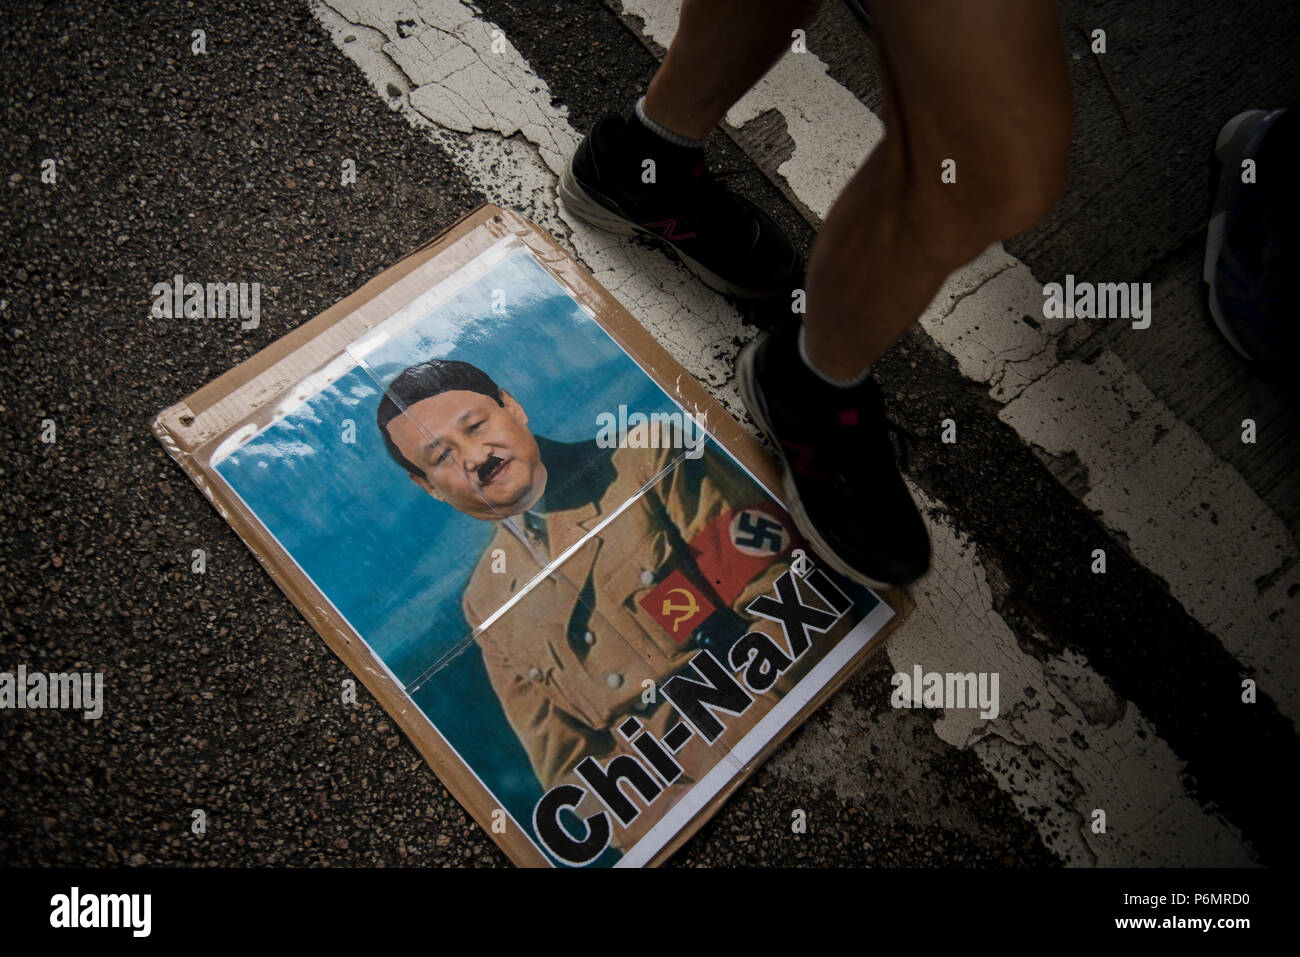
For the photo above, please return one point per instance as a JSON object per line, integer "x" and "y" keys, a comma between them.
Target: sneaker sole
{"x": 758, "y": 409}
{"x": 579, "y": 202}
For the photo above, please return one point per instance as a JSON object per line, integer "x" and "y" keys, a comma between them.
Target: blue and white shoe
{"x": 1253, "y": 241}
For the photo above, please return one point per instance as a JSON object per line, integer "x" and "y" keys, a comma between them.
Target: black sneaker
{"x": 841, "y": 482}
{"x": 724, "y": 239}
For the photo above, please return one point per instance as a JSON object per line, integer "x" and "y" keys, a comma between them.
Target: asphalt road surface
{"x": 1121, "y": 692}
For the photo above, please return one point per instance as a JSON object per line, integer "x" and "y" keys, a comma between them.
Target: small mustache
{"x": 487, "y": 468}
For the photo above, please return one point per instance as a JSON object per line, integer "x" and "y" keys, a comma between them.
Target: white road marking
{"x": 493, "y": 115}
{"x": 1231, "y": 565}
{"x": 1141, "y": 491}
{"x": 1184, "y": 513}
{"x": 473, "y": 102}
{"x": 1030, "y": 749}
{"x": 1123, "y": 767}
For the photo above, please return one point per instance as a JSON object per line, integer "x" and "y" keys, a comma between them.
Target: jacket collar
{"x": 578, "y": 474}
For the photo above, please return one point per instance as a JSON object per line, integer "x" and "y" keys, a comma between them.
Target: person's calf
{"x": 998, "y": 194}
{"x": 898, "y": 229}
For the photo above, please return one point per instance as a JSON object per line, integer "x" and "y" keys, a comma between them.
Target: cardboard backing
{"x": 245, "y": 396}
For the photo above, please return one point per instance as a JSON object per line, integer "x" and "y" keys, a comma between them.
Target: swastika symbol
{"x": 757, "y": 534}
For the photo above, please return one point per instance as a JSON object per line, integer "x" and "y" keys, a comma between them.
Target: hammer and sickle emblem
{"x": 686, "y": 610}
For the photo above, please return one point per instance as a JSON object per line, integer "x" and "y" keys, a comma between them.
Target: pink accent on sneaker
{"x": 803, "y": 463}
{"x": 667, "y": 228}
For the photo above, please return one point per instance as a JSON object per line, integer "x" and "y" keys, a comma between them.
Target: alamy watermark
{"x": 1103, "y": 300}
{"x": 75, "y": 909}
{"x": 655, "y": 430}
{"x": 933, "y": 689}
{"x": 179, "y": 299}
{"x": 21, "y": 690}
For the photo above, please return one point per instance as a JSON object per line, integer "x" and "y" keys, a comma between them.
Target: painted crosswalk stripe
{"x": 1147, "y": 492}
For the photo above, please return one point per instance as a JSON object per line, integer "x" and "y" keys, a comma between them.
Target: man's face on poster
{"x": 478, "y": 457}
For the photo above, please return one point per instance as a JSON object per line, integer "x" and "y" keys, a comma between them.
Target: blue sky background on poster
{"x": 392, "y": 559}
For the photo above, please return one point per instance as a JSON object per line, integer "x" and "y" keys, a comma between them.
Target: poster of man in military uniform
{"x": 647, "y": 556}
{"x": 602, "y": 613}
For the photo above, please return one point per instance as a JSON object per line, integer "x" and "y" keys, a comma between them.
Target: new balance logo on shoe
{"x": 803, "y": 461}
{"x": 667, "y": 229}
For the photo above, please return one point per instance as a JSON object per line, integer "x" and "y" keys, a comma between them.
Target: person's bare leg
{"x": 720, "y": 50}
{"x": 647, "y": 174}
{"x": 982, "y": 82}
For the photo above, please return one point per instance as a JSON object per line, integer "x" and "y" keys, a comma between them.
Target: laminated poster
{"x": 555, "y": 560}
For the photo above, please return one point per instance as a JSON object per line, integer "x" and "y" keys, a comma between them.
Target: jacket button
{"x": 614, "y": 680}
{"x": 647, "y": 576}
{"x": 589, "y": 638}
{"x": 534, "y": 674}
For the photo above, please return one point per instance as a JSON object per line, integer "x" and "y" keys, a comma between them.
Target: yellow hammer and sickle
{"x": 687, "y": 610}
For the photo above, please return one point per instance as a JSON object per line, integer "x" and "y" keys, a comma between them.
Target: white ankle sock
{"x": 662, "y": 131}
{"x": 858, "y": 379}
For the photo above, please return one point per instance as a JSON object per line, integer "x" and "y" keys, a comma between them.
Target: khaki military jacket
{"x": 572, "y": 657}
